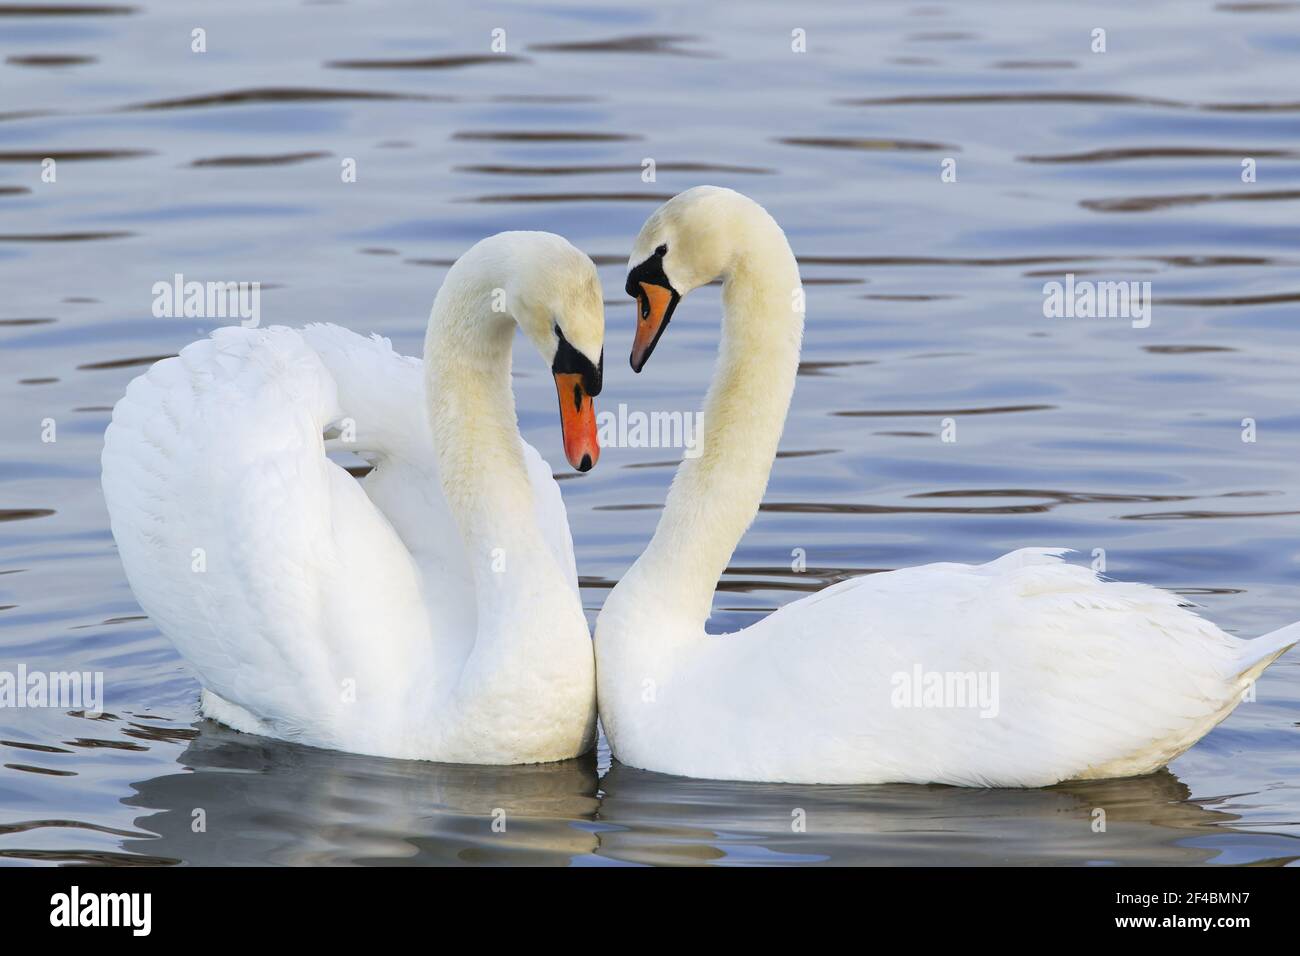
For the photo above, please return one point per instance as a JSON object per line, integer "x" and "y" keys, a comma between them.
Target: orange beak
{"x": 578, "y": 420}
{"x": 655, "y": 304}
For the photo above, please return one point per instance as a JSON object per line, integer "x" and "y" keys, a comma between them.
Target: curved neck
{"x": 467, "y": 359}
{"x": 715, "y": 496}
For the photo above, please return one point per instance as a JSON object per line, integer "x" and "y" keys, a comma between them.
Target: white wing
{"x": 283, "y": 581}
{"x": 1045, "y": 673}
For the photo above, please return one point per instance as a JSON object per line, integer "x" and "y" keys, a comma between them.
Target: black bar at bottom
{"x": 330, "y": 905}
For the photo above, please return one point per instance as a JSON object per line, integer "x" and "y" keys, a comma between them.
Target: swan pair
{"x": 431, "y": 611}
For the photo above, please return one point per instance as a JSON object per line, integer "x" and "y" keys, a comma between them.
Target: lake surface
{"x": 925, "y": 302}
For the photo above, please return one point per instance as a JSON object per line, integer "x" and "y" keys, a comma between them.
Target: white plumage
{"x": 1025, "y": 671}
{"x": 345, "y": 614}
{"x": 1088, "y": 679}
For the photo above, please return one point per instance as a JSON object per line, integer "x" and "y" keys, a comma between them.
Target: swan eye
{"x": 662, "y": 251}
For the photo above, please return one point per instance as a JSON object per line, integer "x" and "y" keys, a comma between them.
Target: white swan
{"x": 871, "y": 680}
{"x": 431, "y": 610}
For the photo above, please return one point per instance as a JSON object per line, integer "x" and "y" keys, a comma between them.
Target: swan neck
{"x": 715, "y": 496}
{"x": 476, "y": 431}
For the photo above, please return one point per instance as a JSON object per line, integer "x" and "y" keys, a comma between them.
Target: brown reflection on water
{"x": 1269, "y": 298}
{"x": 502, "y": 169}
{"x": 273, "y": 94}
{"x": 428, "y": 62}
{"x": 70, "y": 155}
{"x": 666, "y": 44}
{"x": 1201, "y": 515}
{"x": 133, "y": 362}
{"x": 541, "y": 136}
{"x": 1148, "y": 203}
{"x": 940, "y": 412}
{"x": 870, "y": 145}
{"x": 24, "y": 514}
{"x": 1127, "y": 153}
{"x": 65, "y": 236}
{"x": 273, "y": 159}
{"x": 512, "y": 198}
{"x": 50, "y": 60}
{"x": 1185, "y": 349}
{"x": 809, "y": 367}
{"x": 1082, "y": 98}
{"x": 65, "y": 10}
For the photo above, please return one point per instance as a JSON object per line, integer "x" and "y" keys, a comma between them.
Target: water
{"x": 924, "y": 302}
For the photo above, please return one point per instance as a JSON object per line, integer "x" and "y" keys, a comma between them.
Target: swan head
{"x": 553, "y": 293}
{"x": 689, "y": 241}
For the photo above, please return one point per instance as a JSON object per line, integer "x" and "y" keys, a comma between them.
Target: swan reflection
{"x": 661, "y": 819}
{"x": 265, "y": 801}
{"x": 261, "y": 801}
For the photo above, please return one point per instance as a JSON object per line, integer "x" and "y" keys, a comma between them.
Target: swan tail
{"x": 1263, "y": 651}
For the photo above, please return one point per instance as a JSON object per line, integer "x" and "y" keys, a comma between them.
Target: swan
{"x": 882, "y": 678}
{"x": 430, "y": 611}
